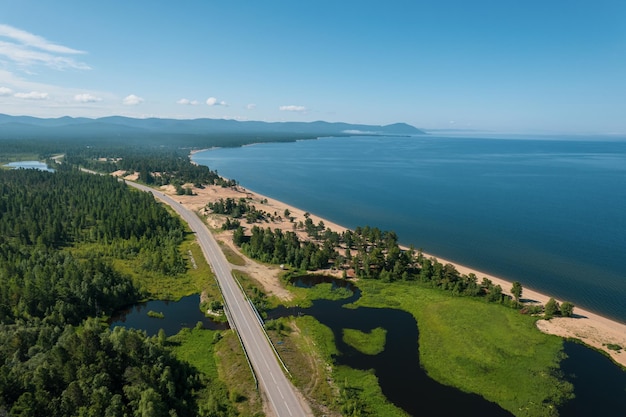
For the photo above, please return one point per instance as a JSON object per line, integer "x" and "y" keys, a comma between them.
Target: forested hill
{"x": 32, "y": 127}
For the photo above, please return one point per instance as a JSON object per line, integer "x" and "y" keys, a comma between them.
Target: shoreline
{"x": 590, "y": 328}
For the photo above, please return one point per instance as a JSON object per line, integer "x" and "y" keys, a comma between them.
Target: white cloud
{"x": 301, "y": 109}
{"x": 33, "y": 95}
{"x": 35, "y": 41}
{"x": 251, "y": 106}
{"x": 27, "y": 49}
{"x": 4, "y": 91}
{"x": 187, "y": 102}
{"x": 132, "y": 100}
{"x": 86, "y": 98}
{"x": 212, "y": 101}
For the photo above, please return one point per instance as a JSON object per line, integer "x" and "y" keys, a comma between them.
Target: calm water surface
{"x": 549, "y": 213}
{"x": 184, "y": 313}
{"x": 30, "y": 165}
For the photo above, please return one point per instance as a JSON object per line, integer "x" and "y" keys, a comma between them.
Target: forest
{"x": 61, "y": 235}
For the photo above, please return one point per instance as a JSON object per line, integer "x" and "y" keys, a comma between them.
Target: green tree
{"x": 551, "y": 308}
{"x": 567, "y": 309}
{"x": 516, "y": 290}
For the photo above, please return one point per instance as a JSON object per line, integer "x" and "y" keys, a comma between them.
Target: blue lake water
{"x": 30, "y": 165}
{"x": 549, "y": 213}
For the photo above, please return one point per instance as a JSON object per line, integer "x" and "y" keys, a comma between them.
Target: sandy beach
{"x": 590, "y": 328}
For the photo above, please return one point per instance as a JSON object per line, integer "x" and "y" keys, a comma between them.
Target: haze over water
{"x": 549, "y": 213}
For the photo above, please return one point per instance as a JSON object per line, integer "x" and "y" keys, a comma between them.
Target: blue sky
{"x": 502, "y": 65}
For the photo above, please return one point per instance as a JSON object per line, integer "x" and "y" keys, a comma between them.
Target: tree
{"x": 567, "y": 309}
{"x": 550, "y": 309}
{"x": 516, "y": 290}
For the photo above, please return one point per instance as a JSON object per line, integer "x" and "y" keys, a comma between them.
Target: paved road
{"x": 272, "y": 380}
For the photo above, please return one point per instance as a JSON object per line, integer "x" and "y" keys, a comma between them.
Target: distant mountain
{"x": 27, "y": 126}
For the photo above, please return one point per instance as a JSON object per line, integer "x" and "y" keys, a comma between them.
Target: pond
{"x": 176, "y": 316}
{"x": 599, "y": 385}
{"x": 30, "y": 165}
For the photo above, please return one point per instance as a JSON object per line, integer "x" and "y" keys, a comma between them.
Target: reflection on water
{"x": 599, "y": 385}
{"x": 30, "y": 165}
{"x": 177, "y": 315}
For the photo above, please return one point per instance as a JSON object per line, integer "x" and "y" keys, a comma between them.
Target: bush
{"x": 551, "y": 308}
{"x": 567, "y": 309}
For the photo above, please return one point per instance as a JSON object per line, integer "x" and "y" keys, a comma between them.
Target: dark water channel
{"x": 177, "y": 315}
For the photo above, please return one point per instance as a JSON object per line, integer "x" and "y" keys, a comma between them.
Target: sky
{"x": 499, "y": 65}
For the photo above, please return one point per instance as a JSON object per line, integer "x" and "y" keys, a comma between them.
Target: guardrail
{"x": 256, "y": 312}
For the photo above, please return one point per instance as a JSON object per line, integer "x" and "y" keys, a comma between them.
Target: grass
{"x": 360, "y": 390}
{"x": 309, "y": 366}
{"x": 156, "y": 314}
{"x": 304, "y": 297}
{"x": 231, "y": 256}
{"x": 371, "y": 343}
{"x": 198, "y": 347}
{"x": 234, "y": 370}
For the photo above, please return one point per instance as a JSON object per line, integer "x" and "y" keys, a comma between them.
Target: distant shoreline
{"x": 591, "y": 328}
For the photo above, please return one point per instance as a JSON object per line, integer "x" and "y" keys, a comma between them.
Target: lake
{"x": 550, "y": 213}
{"x": 30, "y": 165}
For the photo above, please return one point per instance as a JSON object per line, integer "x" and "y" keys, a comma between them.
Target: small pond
{"x": 599, "y": 385}
{"x": 30, "y": 165}
{"x": 177, "y": 315}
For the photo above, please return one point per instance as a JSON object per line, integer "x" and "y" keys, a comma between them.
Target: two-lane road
{"x": 272, "y": 381}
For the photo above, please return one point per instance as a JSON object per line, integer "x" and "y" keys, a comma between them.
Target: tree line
{"x": 371, "y": 253}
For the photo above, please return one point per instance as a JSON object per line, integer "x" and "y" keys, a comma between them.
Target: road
{"x": 271, "y": 378}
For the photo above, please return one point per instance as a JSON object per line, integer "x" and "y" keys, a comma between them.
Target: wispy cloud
{"x": 132, "y": 100}
{"x": 300, "y": 109}
{"x": 251, "y": 106}
{"x": 27, "y": 49}
{"x": 212, "y": 101}
{"x": 33, "y": 95}
{"x": 5, "y": 91}
{"x": 187, "y": 102}
{"x": 86, "y": 98}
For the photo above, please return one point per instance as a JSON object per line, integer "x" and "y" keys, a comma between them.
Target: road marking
{"x": 288, "y": 409}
